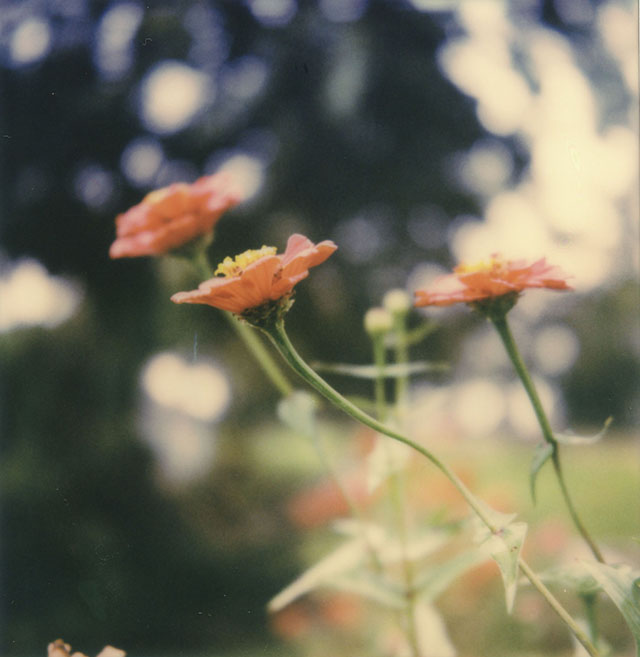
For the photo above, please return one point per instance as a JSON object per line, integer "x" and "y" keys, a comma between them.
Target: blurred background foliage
{"x": 144, "y": 496}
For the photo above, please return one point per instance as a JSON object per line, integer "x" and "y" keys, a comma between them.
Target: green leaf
{"x": 372, "y": 587}
{"x": 341, "y": 567}
{"x": 571, "y": 439}
{"x": 433, "y": 638}
{"x": 298, "y": 412}
{"x": 389, "y": 548}
{"x": 437, "y": 579}
{"x": 372, "y": 372}
{"x": 342, "y": 560}
{"x": 622, "y": 585}
{"x": 571, "y": 577}
{"x": 542, "y": 454}
{"x": 504, "y": 547}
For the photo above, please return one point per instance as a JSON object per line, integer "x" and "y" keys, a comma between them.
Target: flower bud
{"x": 397, "y": 302}
{"x": 377, "y": 321}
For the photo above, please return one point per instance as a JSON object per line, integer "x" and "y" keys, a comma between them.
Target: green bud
{"x": 377, "y": 321}
{"x": 397, "y": 302}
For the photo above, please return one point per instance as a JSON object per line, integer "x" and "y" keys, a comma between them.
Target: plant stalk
{"x": 397, "y": 496}
{"x": 281, "y": 341}
{"x": 521, "y": 369}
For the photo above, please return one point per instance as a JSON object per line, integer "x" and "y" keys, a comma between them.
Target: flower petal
{"x": 236, "y": 293}
{"x": 491, "y": 279}
{"x": 172, "y": 216}
{"x": 301, "y": 254}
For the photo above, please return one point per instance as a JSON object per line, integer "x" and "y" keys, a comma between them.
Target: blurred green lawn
{"x": 603, "y": 479}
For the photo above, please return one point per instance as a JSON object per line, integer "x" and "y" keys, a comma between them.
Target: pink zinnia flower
{"x": 169, "y": 217}
{"x": 258, "y": 276}
{"x": 489, "y": 280}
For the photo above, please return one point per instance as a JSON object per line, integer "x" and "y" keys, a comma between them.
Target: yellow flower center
{"x": 495, "y": 264}
{"x": 157, "y": 195}
{"x": 235, "y": 266}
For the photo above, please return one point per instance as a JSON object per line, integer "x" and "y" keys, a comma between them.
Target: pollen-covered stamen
{"x": 235, "y": 266}
{"x": 495, "y": 265}
{"x": 157, "y": 195}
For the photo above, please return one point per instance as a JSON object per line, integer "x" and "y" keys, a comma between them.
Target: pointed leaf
{"x": 373, "y": 372}
{"x": 504, "y": 547}
{"x": 342, "y": 560}
{"x": 415, "y": 548}
{"x": 571, "y": 439}
{"x": 369, "y": 586}
{"x": 389, "y": 548}
{"x": 433, "y": 638}
{"x": 622, "y": 585}
{"x": 298, "y": 412}
{"x": 543, "y": 453}
{"x": 571, "y": 577}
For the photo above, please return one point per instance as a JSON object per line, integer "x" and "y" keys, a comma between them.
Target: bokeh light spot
{"x": 94, "y": 185}
{"x": 247, "y": 171}
{"x": 141, "y": 160}
{"x": 555, "y": 349}
{"x": 200, "y": 390}
{"x": 113, "y": 55}
{"x": 30, "y": 296}
{"x": 31, "y": 41}
{"x": 479, "y": 407}
{"x": 273, "y": 13}
{"x": 245, "y": 77}
{"x": 172, "y": 95}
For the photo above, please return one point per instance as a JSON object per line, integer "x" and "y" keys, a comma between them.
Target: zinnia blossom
{"x": 258, "y": 276}
{"x": 169, "y": 217}
{"x": 491, "y": 280}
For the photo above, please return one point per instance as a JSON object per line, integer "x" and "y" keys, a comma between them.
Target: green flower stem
{"x": 245, "y": 332}
{"x": 397, "y": 496}
{"x": 380, "y": 362}
{"x": 401, "y": 358}
{"x": 281, "y": 341}
{"x": 514, "y": 354}
{"x": 558, "y": 608}
{"x": 261, "y": 354}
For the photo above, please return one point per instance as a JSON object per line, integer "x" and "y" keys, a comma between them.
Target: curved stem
{"x": 260, "y": 353}
{"x": 278, "y": 336}
{"x": 518, "y": 363}
{"x": 281, "y": 341}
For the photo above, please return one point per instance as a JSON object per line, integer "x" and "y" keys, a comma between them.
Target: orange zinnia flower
{"x": 258, "y": 276}
{"x": 489, "y": 280}
{"x": 172, "y": 216}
